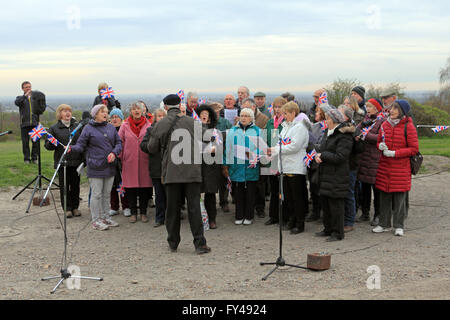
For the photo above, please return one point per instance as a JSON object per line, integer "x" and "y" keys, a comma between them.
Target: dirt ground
{"x": 135, "y": 262}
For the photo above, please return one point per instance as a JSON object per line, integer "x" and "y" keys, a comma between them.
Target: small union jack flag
{"x": 195, "y": 115}
{"x": 37, "y": 133}
{"x": 121, "y": 189}
{"x": 181, "y": 94}
{"x": 323, "y": 98}
{"x": 323, "y": 125}
{"x": 52, "y": 140}
{"x": 107, "y": 93}
{"x": 439, "y": 129}
{"x": 270, "y": 108}
{"x": 201, "y": 101}
{"x": 309, "y": 158}
{"x": 286, "y": 141}
{"x": 254, "y": 161}
{"x": 381, "y": 116}
{"x": 229, "y": 184}
{"x": 383, "y": 136}
{"x": 217, "y": 136}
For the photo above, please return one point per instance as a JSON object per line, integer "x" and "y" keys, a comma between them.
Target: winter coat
{"x": 357, "y": 148}
{"x": 239, "y": 139}
{"x": 293, "y": 153}
{"x": 334, "y": 170}
{"x": 394, "y": 174}
{"x": 260, "y": 119}
{"x": 112, "y": 103}
{"x": 359, "y": 116}
{"x": 135, "y": 172}
{"x": 154, "y": 160}
{"x": 30, "y": 108}
{"x": 62, "y": 134}
{"x": 265, "y": 111}
{"x": 188, "y": 171}
{"x": 369, "y": 159}
{"x": 98, "y": 140}
{"x": 223, "y": 124}
{"x": 272, "y": 138}
{"x": 211, "y": 173}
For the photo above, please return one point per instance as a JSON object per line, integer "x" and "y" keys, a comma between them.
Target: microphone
{"x": 80, "y": 125}
{"x": 6, "y": 132}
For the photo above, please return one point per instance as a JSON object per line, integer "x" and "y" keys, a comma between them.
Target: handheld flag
{"x": 52, "y": 140}
{"x": 270, "y": 108}
{"x": 323, "y": 125}
{"x": 216, "y": 135}
{"x": 323, "y": 98}
{"x": 309, "y": 158}
{"x": 121, "y": 189}
{"x": 439, "y": 129}
{"x": 195, "y": 115}
{"x": 286, "y": 141}
{"x": 181, "y": 95}
{"x": 37, "y": 132}
{"x": 201, "y": 101}
{"x": 383, "y": 137}
{"x": 229, "y": 184}
{"x": 107, "y": 93}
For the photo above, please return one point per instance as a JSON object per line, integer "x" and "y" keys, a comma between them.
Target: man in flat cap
{"x": 260, "y": 100}
{"x": 388, "y": 97}
{"x": 182, "y": 177}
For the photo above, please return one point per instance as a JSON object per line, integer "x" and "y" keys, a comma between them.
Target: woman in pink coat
{"x": 135, "y": 175}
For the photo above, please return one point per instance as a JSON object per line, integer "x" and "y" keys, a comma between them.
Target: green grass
{"x": 14, "y": 172}
{"x": 438, "y": 145}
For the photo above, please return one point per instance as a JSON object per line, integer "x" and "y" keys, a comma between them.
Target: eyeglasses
{"x": 245, "y": 116}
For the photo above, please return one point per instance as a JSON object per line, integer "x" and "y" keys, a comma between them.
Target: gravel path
{"x": 135, "y": 262}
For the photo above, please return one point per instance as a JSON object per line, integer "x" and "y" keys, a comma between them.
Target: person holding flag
{"x": 369, "y": 159}
{"x": 58, "y": 137}
{"x": 106, "y": 97}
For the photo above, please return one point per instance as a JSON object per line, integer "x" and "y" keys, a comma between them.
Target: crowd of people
{"x": 330, "y": 161}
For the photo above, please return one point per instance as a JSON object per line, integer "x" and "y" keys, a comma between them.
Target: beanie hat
{"x": 325, "y": 107}
{"x": 347, "y": 111}
{"x": 336, "y": 116}
{"x": 404, "y": 105}
{"x": 95, "y": 110}
{"x": 116, "y": 112}
{"x": 360, "y": 91}
{"x": 377, "y": 104}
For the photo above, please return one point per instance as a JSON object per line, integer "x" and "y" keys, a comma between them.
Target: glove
{"x": 383, "y": 147}
{"x": 389, "y": 153}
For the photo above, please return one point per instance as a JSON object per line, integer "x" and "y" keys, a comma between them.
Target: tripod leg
{"x": 58, "y": 284}
{"x": 38, "y": 179}
{"x": 25, "y": 188}
{"x": 266, "y": 263}
{"x": 87, "y": 278}
{"x": 268, "y": 275}
{"x": 50, "y": 278}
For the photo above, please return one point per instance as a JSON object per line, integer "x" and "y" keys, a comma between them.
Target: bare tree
{"x": 444, "y": 74}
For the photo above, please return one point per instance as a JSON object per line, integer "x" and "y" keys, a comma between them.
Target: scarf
{"x": 66, "y": 123}
{"x": 136, "y": 125}
{"x": 394, "y": 122}
{"x": 277, "y": 121}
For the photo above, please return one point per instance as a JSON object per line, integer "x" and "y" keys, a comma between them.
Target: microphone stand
{"x": 65, "y": 274}
{"x": 280, "y": 261}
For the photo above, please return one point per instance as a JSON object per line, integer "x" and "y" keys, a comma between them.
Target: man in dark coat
{"x": 31, "y": 104}
{"x": 181, "y": 170}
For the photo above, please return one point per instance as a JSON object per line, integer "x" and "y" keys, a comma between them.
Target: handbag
{"x": 415, "y": 160}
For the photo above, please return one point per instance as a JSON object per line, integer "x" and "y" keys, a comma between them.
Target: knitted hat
{"x": 377, "y": 104}
{"x": 325, "y": 107}
{"x": 336, "y": 116}
{"x": 95, "y": 110}
{"x": 116, "y": 112}
{"x": 347, "y": 111}
{"x": 360, "y": 91}
{"x": 404, "y": 105}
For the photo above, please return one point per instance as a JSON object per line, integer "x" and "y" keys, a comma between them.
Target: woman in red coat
{"x": 398, "y": 141}
{"x": 135, "y": 175}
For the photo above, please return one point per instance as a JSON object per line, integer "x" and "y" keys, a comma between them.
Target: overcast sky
{"x": 68, "y": 47}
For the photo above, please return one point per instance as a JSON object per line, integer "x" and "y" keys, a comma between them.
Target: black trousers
{"x": 210, "y": 206}
{"x": 160, "y": 200}
{"x": 366, "y": 190}
{"x": 315, "y": 197}
{"x": 72, "y": 189}
{"x": 260, "y": 199}
{"x": 133, "y": 194}
{"x": 274, "y": 204}
{"x": 244, "y": 195}
{"x": 26, "y": 145}
{"x": 192, "y": 193}
{"x": 223, "y": 191}
{"x": 296, "y": 193}
{"x": 333, "y": 216}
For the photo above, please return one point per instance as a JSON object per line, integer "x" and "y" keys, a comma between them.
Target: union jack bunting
{"x": 37, "y": 132}
{"x": 323, "y": 98}
{"x": 107, "y": 93}
{"x": 323, "y": 125}
{"x": 181, "y": 94}
{"x": 439, "y": 129}
{"x": 309, "y": 157}
{"x": 52, "y": 140}
{"x": 121, "y": 189}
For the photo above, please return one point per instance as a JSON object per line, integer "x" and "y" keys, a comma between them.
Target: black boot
{"x": 365, "y": 216}
{"x": 313, "y": 216}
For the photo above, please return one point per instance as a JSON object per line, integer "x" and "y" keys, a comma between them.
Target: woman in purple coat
{"x": 102, "y": 144}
